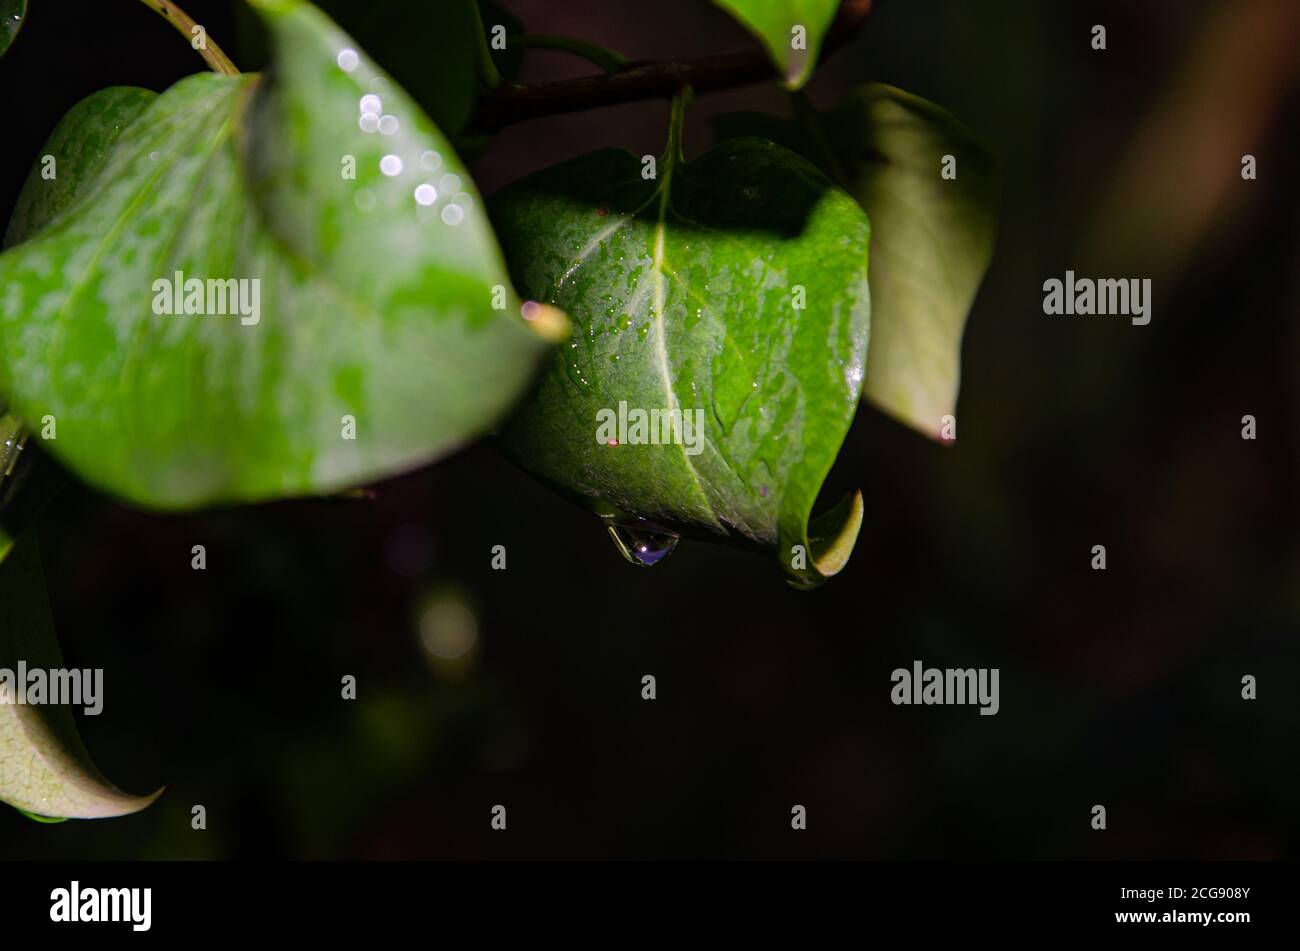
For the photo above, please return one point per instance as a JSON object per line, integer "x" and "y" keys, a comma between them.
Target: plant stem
{"x": 606, "y": 59}
{"x": 676, "y": 122}
{"x": 515, "y": 102}
{"x": 184, "y": 23}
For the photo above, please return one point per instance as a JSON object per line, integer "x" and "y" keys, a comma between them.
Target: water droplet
{"x": 426, "y": 194}
{"x": 453, "y": 215}
{"x": 449, "y": 184}
{"x": 13, "y": 446}
{"x": 371, "y": 105}
{"x": 347, "y": 60}
{"x": 429, "y": 161}
{"x": 641, "y": 542}
{"x": 388, "y": 125}
{"x": 390, "y": 165}
{"x": 369, "y": 122}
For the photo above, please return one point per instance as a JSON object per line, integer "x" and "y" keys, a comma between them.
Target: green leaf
{"x": 371, "y": 307}
{"x": 12, "y": 14}
{"x": 44, "y": 767}
{"x": 792, "y": 31}
{"x": 932, "y": 238}
{"x": 932, "y": 243}
{"x": 682, "y": 290}
{"x": 79, "y": 146}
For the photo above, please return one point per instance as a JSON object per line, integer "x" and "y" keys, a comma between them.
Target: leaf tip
{"x": 116, "y": 804}
{"x": 831, "y": 537}
{"x": 797, "y": 72}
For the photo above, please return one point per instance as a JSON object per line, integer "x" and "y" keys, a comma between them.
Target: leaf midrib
{"x": 661, "y": 336}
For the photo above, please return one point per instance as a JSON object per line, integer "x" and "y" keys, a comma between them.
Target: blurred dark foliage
{"x": 1119, "y": 687}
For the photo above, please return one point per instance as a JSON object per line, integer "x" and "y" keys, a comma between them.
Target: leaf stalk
{"x": 597, "y": 55}
{"x": 216, "y": 59}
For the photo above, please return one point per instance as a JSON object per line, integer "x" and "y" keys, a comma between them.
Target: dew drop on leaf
{"x": 348, "y": 59}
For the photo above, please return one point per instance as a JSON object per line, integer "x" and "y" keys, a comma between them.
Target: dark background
{"x": 1119, "y": 687}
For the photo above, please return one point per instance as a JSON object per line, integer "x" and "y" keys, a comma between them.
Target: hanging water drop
{"x": 641, "y": 542}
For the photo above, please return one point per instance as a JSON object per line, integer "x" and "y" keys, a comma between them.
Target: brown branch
{"x": 518, "y": 102}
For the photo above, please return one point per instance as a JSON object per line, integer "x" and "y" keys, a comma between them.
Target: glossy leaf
{"x": 79, "y": 145}
{"x": 684, "y": 292}
{"x": 791, "y": 30}
{"x": 12, "y": 14}
{"x": 373, "y": 317}
{"x": 44, "y": 767}
{"x": 932, "y": 237}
